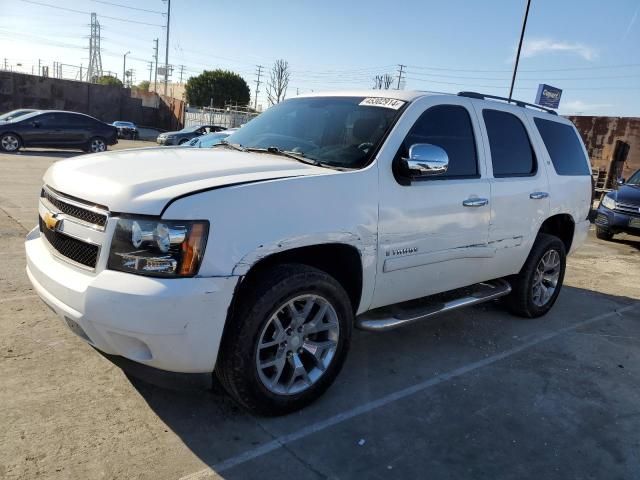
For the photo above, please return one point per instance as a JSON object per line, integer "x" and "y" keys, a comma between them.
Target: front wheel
{"x": 537, "y": 286}
{"x": 96, "y": 145}
{"x": 9, "y": 142}
{"x": 603, "y": 233}
{"x": 287, "y": 339}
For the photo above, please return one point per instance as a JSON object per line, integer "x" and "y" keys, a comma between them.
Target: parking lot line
{"x": 283, "y": 440}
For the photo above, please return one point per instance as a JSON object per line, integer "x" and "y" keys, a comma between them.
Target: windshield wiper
{"x": 235, "y": 146}
{"x": 286, "y": 153}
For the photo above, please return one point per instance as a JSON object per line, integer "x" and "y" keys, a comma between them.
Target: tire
{"x": 10, "y": 143}
{"x": 96, "y": 145}
{"x": 280, "y": 389}
{"x": 533, "y": 295}
{"x": 603, "y": 233}
{"x": 183, "y": 141}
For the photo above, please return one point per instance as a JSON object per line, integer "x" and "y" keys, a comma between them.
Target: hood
{"x": 629, "y": 194}
{"x": 144, "y": 180}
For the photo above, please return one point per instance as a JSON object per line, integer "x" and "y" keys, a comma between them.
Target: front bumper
{"x": 170, "y": 324}
{"x": 617, "y": 222}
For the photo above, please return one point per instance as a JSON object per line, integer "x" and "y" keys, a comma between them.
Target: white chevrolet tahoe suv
{"x": 254, "y": 259}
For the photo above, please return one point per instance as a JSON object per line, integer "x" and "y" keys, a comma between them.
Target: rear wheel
{"x": 537, "y": 286}
{"x": 96, "y": 145}
{"x": 10, "y": 142}
{"x": 287, "y": 339}
{"x": 603, "y": 233}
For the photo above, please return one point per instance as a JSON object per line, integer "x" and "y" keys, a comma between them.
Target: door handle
{"x": 538, "y": 195}
{"x": 475, "y": 202}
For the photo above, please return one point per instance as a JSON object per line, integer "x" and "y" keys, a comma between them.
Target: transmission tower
{"x": 95, "y": 59}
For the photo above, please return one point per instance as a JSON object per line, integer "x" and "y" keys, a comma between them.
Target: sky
{"x": 588, "y": 48}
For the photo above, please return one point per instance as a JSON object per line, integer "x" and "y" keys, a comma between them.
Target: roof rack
{"x": 519, "y": 103}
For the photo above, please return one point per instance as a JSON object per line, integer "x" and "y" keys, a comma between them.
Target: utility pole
{"x": 400, "y": 72}
{"x": 181, "y": 70}
{"x": 95, "y": 59}
{"x": 124, "y": 68}
{"x": 150, "y": 71}
{"x": 155, "y": 75}
{"x": 5, "y": 64}
{"x": 166, "y": 51}
{"x": 39, "y": 68}
{"x": 259, "y": 72}
{"x": 515, "y": 67}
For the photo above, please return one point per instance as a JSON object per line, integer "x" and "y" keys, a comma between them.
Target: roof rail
{"x": 519, "y": 103}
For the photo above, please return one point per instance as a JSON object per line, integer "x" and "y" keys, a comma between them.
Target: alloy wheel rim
{"x": 297, "y": 344}
{"x": 97, "y": 146}
{"x": 545, "y": 278}
{"x": 10, "y": 143}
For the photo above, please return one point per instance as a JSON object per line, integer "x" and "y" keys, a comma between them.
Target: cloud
{"x": 578, "y": 106}
{"x": 531, "y": 48}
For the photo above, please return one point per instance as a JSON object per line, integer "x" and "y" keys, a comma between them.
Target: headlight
{"x": 165, "y": 248}
{"x": 609, "y": 203}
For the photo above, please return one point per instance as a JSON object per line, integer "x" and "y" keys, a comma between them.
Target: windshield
{"x": 14, "y": 114}
{"x": 335, "y": 131}
{"x": 634, "y": 179}
{"x": 192, "y": 128}
{"x": 123, "y": 124}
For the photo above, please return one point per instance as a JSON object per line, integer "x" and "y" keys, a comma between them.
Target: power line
{"x": 592, "y": 67}
{"x": 87, "y": 13}
{"x": 127, "y": 6}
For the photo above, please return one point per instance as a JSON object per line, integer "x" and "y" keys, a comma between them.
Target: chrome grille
{"x": 628, "y": 209}
{"x": 91, "y": 215}
{"x": 75, "y": 250}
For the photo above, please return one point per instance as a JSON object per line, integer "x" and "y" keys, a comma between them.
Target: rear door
{"x": 519, "y": 184}
{"x": 70, "y": 129}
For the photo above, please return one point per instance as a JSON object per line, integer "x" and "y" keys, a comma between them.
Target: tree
{"x": 278, "y": 82}
{"x": 216, "y": 87}
{"x": 108, "y": 80}
{"x": 383, "y": 82}
{"x": 144, "y": 85}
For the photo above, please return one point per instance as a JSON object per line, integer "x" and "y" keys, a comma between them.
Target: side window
{"x": 449, "y": 127}
{"x": 563, "y": 146}
{"x": 71, "y": 120}
{"x": 511, "y": 151}
{"x": 47, "y": 120}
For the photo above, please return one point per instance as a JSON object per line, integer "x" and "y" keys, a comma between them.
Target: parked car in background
{"x": 126, "y": 129}
{"x": 619, "y": 210}
{"x": 181, "y": 137}
{"x": 57, "y": 129}
{"x": 5, "y": 117}
{"x": 209, "y": 139}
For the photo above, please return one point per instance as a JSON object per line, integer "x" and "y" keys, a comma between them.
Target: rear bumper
{"x": 616, "y": 222}
{"x": 170, "y": 324}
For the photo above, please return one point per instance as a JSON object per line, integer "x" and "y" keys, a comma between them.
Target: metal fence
{"x": 230, "y": 117}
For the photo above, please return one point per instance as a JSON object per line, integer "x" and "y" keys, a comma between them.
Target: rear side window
{"x": 449, "y": 127}
{"x": 511, "y": 151}
{"x": 563, "y": 147}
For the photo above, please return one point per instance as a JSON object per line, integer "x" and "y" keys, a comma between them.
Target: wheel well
{"x": 561, "y": 226}
{"x": 341, "y": 261}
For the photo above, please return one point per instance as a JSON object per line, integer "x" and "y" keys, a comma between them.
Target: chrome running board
{"x": 401, "y": 314}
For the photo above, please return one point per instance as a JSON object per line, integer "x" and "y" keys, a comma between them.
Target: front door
{"x": 433, "y": 232}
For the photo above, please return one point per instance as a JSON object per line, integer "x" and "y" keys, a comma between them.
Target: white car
{"x": 255, "y": 259}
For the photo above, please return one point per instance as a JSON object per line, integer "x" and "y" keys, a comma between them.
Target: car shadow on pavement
{"x": 50, "y": 153}
{"x": 215, "y": 429}
{"x": 627, "y": 241}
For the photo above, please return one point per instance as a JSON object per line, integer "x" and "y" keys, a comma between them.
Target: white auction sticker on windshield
{"x": 382, "y": 102}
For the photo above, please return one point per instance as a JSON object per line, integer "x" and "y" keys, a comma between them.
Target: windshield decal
{"x": 392, "y": 103}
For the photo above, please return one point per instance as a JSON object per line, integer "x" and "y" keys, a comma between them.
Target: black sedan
{"x": 126, "y": 129}
{"x": 619, "y": 210}
{"x": 186, "y": 134}
{"x": 57, "y": 129}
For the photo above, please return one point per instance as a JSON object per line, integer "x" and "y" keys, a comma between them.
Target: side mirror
{"x": 426, "y": 160}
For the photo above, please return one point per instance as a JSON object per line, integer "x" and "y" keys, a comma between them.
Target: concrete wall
{"x": 107, "y": 103}
{"x": 600, "y": 134}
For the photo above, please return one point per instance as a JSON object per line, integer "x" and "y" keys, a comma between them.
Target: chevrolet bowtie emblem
{"x": 51, "y": 220}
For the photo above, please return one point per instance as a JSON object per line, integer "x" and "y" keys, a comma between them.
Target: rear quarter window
{"x": 563, "y": 146}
